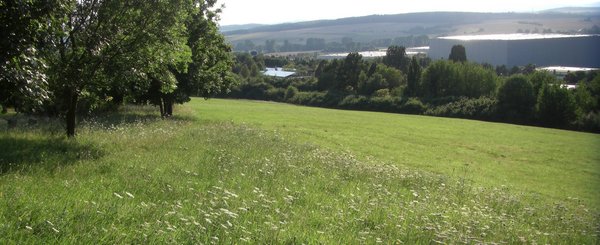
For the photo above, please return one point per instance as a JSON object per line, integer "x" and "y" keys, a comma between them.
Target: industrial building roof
{"x": 513, "y": 36}
{"x": 564, "y": 69}
{"x": 278, "y": 72}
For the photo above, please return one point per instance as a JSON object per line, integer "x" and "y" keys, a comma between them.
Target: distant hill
{"x": 575, "y": 10}
{"x": 432, "y": 24}
{"x": 229, "y": 28}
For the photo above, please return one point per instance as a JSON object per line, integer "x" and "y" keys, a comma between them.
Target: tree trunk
{"x": 166, "y": 106}
{"x": 71, "y": 113}
{"x": 162, "y": 108}
{"x": 169, "y": 107}
{"x": 4, "y": 110}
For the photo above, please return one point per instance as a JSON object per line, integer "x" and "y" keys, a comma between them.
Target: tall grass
{"x": 140, "y": 179}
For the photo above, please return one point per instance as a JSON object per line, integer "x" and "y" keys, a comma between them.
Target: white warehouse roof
{"x": 512, "y": 36}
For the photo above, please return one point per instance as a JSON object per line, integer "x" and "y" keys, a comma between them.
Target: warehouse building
{"x": 522, "y": 49}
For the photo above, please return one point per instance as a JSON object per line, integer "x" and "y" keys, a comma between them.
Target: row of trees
{"x": 67, "y": 57}
{"x": 453, "y": 87}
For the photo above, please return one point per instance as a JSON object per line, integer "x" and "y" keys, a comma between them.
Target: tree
{"x": 199, "y": 65}
{"x": 328, "y": 77}
{"x": 516, "y": 99}
{"x": 395, "y": 56}
{"x": 372, "y": 84}
{"x": 555, "y": 106}
{"x": 574, "y": 77}
{"x": 349, "y": 71}
{"x": 394, "y": 77}
{"x": 458, "y": 53}
{"x": 92, "y": 40}
{"x": 209, "y": 71}
{"x": 372, "y": 69}
{"x": 319, "y": 68}
{"x": 23, "y": 82}
{"x": 539, "y": 79}
{"x": 413, "y": 77}
{"x": 439, "y": 79}
{"x": 474, "y": 80}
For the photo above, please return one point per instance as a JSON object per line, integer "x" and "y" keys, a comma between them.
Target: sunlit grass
{"x": 136, "y": 178}
{"x": 556, "y": 164}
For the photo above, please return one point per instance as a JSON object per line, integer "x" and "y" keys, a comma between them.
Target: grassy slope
{"x": 555, "y": 163}
{"x": 137, "y": 179}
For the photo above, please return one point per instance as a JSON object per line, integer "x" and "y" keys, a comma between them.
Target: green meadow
{"x": 232, "y": 171}
{"x": 555, "y": 164}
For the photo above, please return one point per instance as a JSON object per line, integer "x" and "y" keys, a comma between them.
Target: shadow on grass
{"x": 132, "y": 114}
{"x": 23, "y": 154}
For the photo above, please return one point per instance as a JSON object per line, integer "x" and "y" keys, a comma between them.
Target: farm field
{"x": 233, "y": 171}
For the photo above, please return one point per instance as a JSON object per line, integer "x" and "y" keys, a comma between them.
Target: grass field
{"x": 557, "y": 164}
{"x": 254, "y": 172}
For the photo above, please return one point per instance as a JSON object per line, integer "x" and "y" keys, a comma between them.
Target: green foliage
{"x": 584, "y": 99}
{"x": 483, "y": 108}
{"x": 413, "y": 77}
{"x": 413, "y": 106}
{"x": 445, "y": 78}
{"x": 574, "y": 77}
{"x": 476, "y": 81}
{"x": 382, "y": 93}
{"x": 438, "y": 78}
{"x": 395, "y": 56}
{"x": 328, "y": 75}
{"x": 539, "y": 79}
{"x": 309, "y": 98}
{"x": 372, "y": 84}
{"x": 458, "y": 54}
{"x": 393, "y": 77}
{"x": 67, "y": 54}
{"x": 555, "y": 106}
{"x": 23, "y": 81}
{"x": 516, "y": 99}
{"x": 349, "y": 71}
{"x": 290, "y": 92}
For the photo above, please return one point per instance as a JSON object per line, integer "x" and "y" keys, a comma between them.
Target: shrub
{"x": 387, "y": 104}
{"x": 412, "y": 106}
{"x": 290, "y": 92}
{"x": 309, "y": 98}
{"x": 355, "y": 102}
{"x": 516, "y": 99}
{"x": 382, "y": 93}
{"x": 483, "y": 108}
{"x": 589, "y": 122}
{"x": 275, "y": 94}
{"x": 555, "y": 106}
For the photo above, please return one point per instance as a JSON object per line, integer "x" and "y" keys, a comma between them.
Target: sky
{"x": 283, "y": 11}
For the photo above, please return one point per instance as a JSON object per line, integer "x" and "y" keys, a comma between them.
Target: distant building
{"x": 410, "y": 52}
{"x": 522, "y": 49}
{"x": 278, "y": 72}
{"x": 561, "y": 71}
